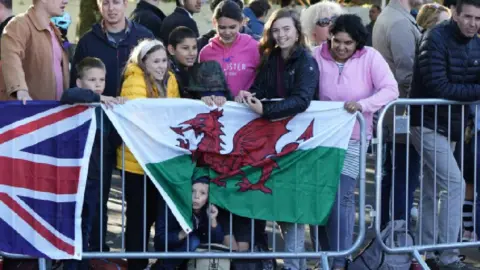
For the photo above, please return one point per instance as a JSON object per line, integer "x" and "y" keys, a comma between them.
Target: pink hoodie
{"x": 239, "y": 62}
{"x": 365, "y": 78}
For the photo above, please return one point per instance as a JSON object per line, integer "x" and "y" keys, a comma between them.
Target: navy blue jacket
{"x": 78, "y": 95}
{"x": 179, "y": 17}
{"x": 96, "y": 44}
{"x": 447, "y": 66}
{"x": 149, "y": 16}
{"x": 200, "y": 230}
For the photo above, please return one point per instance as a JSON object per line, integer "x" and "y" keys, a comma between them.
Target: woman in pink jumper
{"x": 360, "y": 77}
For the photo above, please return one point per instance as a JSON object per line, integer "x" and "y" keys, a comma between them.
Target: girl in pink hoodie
{"x": 360, "y": 77}
{"x": 237, "y": 53}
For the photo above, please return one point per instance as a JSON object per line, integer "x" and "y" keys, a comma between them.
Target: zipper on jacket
{"x": 119, "y": 79}
{"x": 467, "y": 50}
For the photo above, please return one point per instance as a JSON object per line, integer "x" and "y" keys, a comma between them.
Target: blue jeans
{"x": 400, "y": 189}
{"x": 90, "y": 201}
{"x": 338, "y": 234}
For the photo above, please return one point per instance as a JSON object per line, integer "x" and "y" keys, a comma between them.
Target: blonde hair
{"x": 138, "y": 56}
{"x": 429, "y": 13}
{"x": 310, "y": 16}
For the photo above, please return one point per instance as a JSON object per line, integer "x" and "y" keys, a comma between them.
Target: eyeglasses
{"x": 323, "y": 22}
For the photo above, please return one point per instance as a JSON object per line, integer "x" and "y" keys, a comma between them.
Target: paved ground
{"x": 115, "y": 221}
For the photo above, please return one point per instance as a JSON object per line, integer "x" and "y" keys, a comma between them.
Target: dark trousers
{"x": 400, "y": 189}
{"x": 95, "y": 244}
{"x": 89, "y": 211}
{"x": 171, "y": 264}
{"x": 136, "y": 227}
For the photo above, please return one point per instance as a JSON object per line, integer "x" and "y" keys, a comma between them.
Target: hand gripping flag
{"x": 44, "y": 153}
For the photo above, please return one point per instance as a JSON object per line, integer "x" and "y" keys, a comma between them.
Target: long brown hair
{"x": 267, "y": 43}
{"x": 138, "y": 57}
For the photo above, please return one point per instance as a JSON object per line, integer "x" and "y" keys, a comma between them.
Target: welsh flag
{"x": 284, "y": 170}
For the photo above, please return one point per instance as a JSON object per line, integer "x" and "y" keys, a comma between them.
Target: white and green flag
{"x": 285, "y": 170}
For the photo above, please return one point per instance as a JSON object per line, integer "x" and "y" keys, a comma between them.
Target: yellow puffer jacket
{"x": 134, "y": 87}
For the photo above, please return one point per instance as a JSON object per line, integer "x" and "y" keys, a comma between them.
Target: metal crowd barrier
{"x": 317, "y": 253}
{"x": 402, "y": 127}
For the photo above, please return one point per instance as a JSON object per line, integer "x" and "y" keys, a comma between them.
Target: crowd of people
{"x": 252, "y": 54}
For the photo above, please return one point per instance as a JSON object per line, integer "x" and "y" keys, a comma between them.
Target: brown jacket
{"x": 26, "y": 53}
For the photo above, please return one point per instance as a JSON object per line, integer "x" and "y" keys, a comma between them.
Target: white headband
{"x": 148, "y": 46}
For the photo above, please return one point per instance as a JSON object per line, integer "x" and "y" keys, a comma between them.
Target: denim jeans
{"x": 401, "y": 210}
{"x": 294, "y": 237}
{"x": 90, "y": 201}
{"x": 442, "y": 182}
{"x": 339, "y": 229}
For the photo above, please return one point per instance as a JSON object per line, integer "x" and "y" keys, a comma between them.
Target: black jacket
{"x": 179, "y": 17}
{"x": 149, "y": 16}
{"x": 300, "y": 80}
{"x": 203, "y": 40}
{"x": 96, "y": 44}
{"x": 447, "y": 66}
{"x": 4, "y": 23}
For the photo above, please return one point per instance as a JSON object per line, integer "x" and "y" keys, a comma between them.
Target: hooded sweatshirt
{"x": 239, "y": 61}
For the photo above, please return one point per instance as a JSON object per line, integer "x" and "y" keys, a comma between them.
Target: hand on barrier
{"x": 353, "y": 107}
{"x": 111, "y": 101}
{"x": 212, "y": 211}
{"x": 23, "y": 96}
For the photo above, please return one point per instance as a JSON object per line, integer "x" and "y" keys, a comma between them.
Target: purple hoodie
{"x": 239, "y": 62}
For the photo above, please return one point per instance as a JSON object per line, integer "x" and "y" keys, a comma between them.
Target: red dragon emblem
{"x": 253, "y": 145}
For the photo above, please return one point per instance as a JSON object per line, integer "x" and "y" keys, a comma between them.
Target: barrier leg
{"x": 325, "y": 265}
{"x": 42, "y": 264}
{"x": 420, "y": 260}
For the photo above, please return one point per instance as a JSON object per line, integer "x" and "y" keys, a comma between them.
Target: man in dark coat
{"x": 149, "y": 15}
{"x": 181, "y": 16}
{"x": 447, "y": 65}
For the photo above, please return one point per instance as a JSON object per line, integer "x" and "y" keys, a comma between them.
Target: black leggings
{"x": 134, "y": 196}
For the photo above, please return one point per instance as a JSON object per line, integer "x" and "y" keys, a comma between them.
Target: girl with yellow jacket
{"x": 146, "y": 76}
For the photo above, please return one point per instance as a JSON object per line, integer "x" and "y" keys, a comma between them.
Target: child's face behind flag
{"x": 199, "y": 195}
{"x": 185, "y": 52}
{"x": 94, "y": 79}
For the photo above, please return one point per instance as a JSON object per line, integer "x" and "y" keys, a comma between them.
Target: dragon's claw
{"x": 246, "y": 186}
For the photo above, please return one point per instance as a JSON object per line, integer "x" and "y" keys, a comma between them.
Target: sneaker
{"x": 468, "y": 236}
{"x": 456, "y": 265}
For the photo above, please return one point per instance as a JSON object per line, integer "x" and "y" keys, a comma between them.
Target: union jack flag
{"x": 44, "y": 154}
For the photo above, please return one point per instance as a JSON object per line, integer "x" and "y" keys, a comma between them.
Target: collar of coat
{"x": 128, "y": 26}
{"x": 37, "y": 22}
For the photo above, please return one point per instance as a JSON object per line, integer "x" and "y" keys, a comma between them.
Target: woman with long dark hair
{"x": 359, "y": 76}
{"x": 289, "y": 73}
